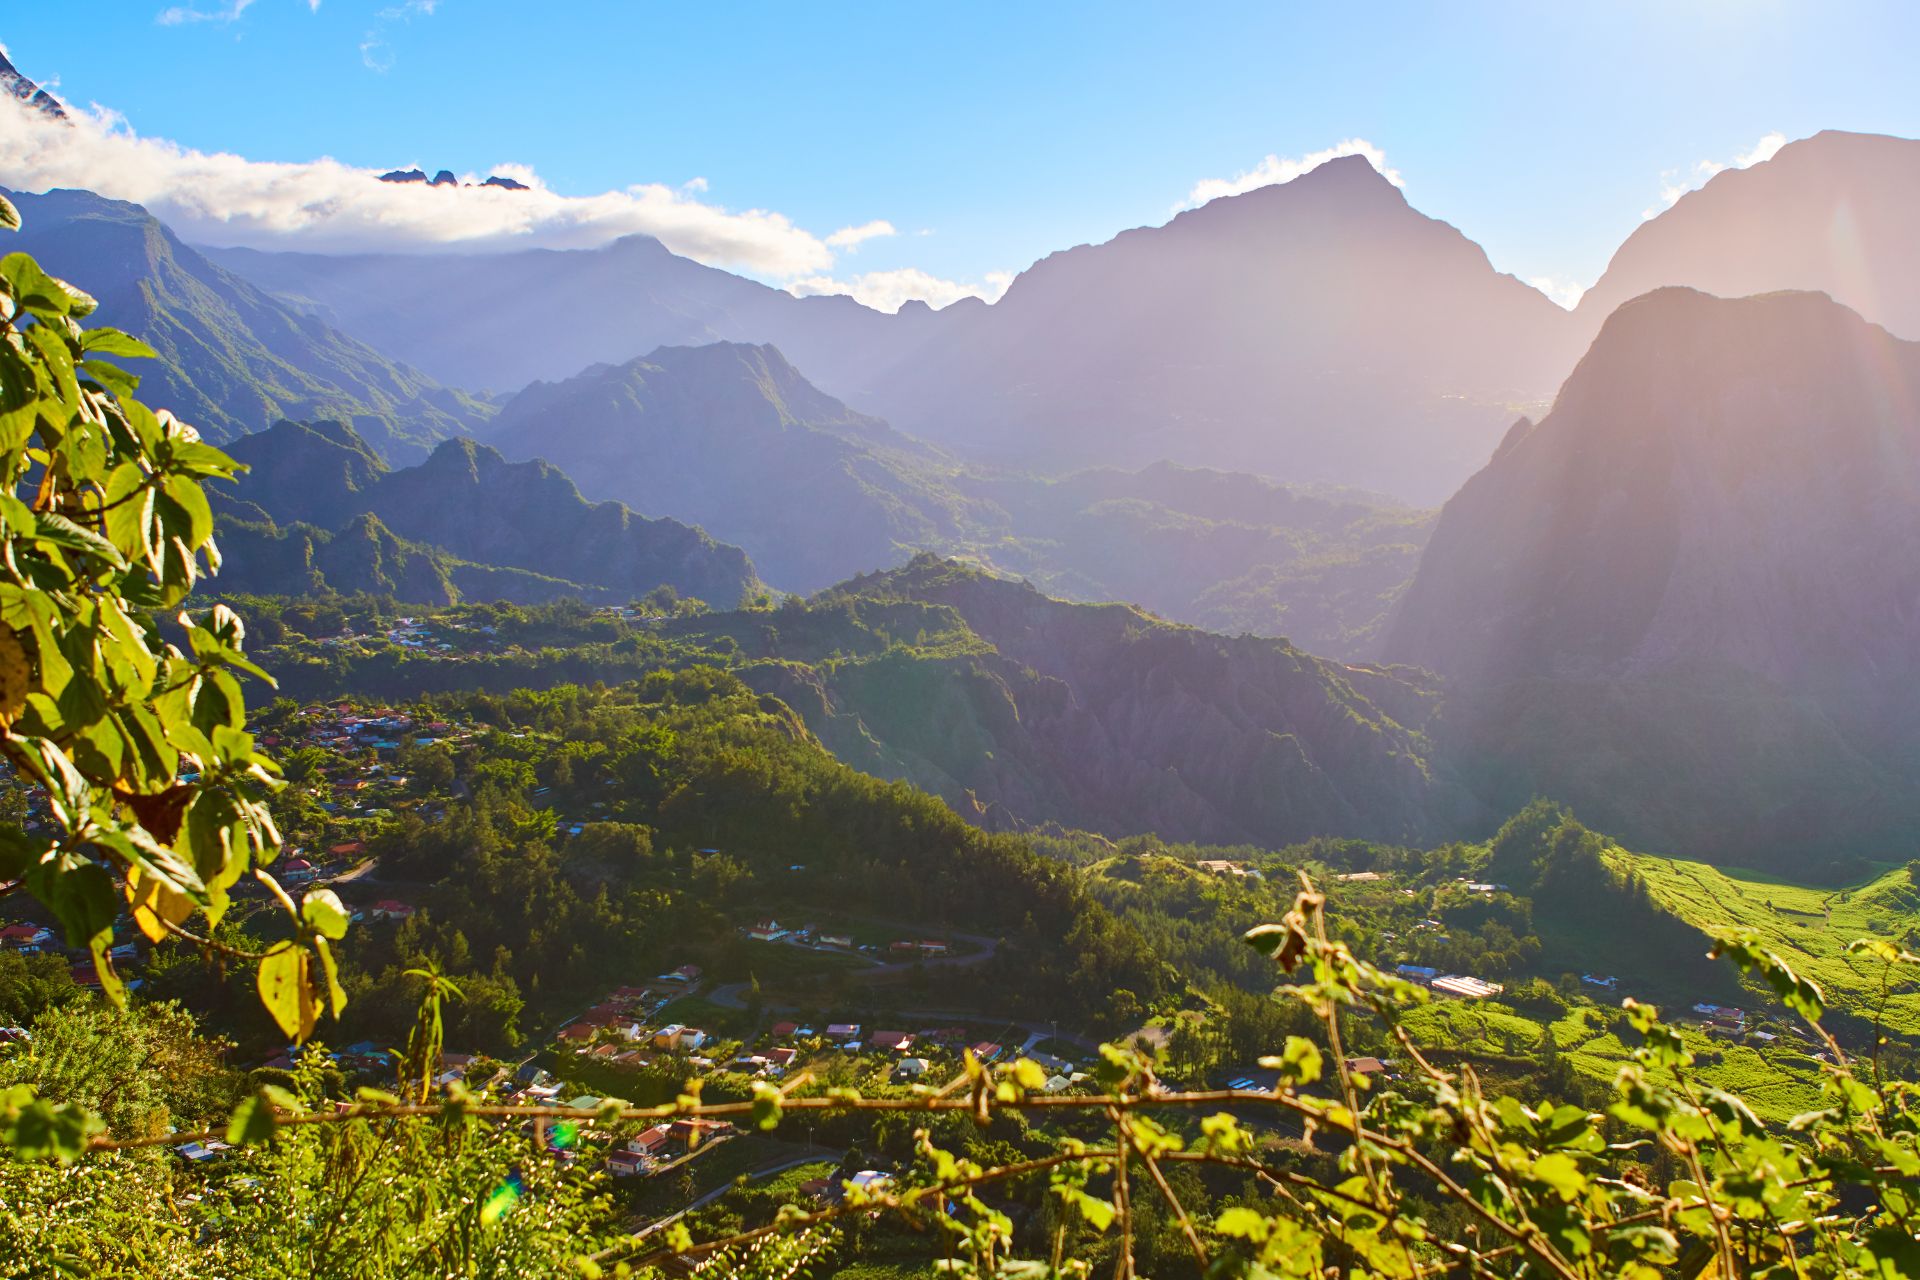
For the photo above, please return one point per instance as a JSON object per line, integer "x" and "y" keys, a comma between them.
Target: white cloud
{"x": 375, "y": 53}
{"x": 850, "y": 237}
{"x": 325, "y": 206}
{"x": 887, "y": 290}
{"x": 179, "y": 13}
{"x": 1285, "y": 169}
{"x": 1675, "y": 183}
{"x": 1564, "y": 292}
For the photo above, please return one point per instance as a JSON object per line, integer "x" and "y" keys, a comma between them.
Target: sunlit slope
{"x": 1809, "y": 926}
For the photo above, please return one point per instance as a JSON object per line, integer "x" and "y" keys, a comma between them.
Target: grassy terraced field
{"x": 1810, "y": 927}
{"x": 1779, "y": 1080}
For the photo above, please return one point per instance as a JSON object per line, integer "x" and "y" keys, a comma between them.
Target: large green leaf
{"x": 287, "y": 991}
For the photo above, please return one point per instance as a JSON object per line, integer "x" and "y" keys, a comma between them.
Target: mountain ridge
{"x": 525, "y": 522}
{"x": 232, "y": 359}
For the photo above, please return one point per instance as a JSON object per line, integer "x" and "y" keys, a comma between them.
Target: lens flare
{"x": 500, "y": 1200}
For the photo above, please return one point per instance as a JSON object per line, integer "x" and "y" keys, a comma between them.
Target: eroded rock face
{"x": 1724, "y": 502}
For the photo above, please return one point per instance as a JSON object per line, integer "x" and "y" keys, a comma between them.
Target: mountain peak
{"x": 18, "y": 86}
{"x": 1832, "y": 213}
{"x": 1348, "y": 168}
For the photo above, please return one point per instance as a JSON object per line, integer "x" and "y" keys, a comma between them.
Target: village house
{"x": 453, "y": 1066}
{"x": 390, "y": 909}
{"x": 839, "y": 940}
{"x": 1360, "y": 877}
{"x": 1417, "y": 972}
{"x": 893, "y": 1041}
{"x": 987, "y": 1051}
{"x": 1462, "y": 987}
{"x": 781, "y": 1030}
{"x": 693, "y": 1131}
{"x": 26, "y": 938}
{"x": 843, "y": 1031}
{"x": 651, "y": 1142}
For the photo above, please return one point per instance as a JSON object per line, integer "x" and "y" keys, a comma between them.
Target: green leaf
{"x": 112, "y": 377}
{"x": 41, "y": 293}
{"x": 37, "y": 1129}
{"x": 1243, "y": 1223}
{"x": 287, "y": 992}
{"x": 336, "y": 994}
{"x": 766, "y": 1105}
{"x": 112, "y": 342}
{"x": 322, "y": 911}
{"x": 1802, "y": 995}
{"x": 252, "y": 1123}
{"x": 1299, "y": 1064}
{"x": 60, "y": 531}
{"x": 1098, "y": 1213}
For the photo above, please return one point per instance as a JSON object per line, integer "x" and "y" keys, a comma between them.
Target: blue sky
{"x": 989, "y": 135}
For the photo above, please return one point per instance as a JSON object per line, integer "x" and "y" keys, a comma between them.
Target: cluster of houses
{"x": 652, "y": 1149}
{"x": 1722, "y": 1020}
{"x": 1267, "y": 1078}
{"x": 806, "y": 935}
{"x": 1222, "y": 867}
{"x": 1459, "y": 986}
{"x": 29, "y": 938}
{"x": 440, "y": 638}
{"x": 342, "y": 727}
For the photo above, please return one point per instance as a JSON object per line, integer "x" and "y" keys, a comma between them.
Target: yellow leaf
{"x": 154, "y": 905}
{"x": 15, "y": 676}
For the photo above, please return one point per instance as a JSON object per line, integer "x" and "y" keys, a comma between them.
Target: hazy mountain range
{"x": 1317, "y": 330}
{"x": 1322, "y": 330}
{"x": 1681, "y": 599}
{"x": 734, "y": 439}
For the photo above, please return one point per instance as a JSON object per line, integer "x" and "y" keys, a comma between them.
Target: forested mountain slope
{"x": 232, "y": 359}
{"x": 518, "y": 530}
{"x": 1024, "y": 709}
